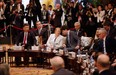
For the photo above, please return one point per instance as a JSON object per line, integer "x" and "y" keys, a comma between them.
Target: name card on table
{"x": 73, "y": 54}
{"x": 83, "y": 56}
{"x": 17, "y": 47}
{"x": 61, "y": 52}
{"x": 1, "y": 48}
{"x": 35, "y": 48}
{"x": 48, "y": 49}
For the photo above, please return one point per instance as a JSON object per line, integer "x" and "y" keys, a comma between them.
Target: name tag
{"x": 35, "y": 48}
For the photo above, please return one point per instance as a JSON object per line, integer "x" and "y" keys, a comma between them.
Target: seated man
{"x": 57, "y": 64}
{"x": 41, "y": 32}
{"x": 27, "y": 40}
{"x": 72, "y": 41}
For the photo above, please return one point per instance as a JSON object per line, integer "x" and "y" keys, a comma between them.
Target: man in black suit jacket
{"x": 58, "y": 66}
{"x": 57, "y": 16}
{"x": 72, "y": 41}
{"x": 103, "y": 65}
{"x": 78, "y": 31}
{"x": 105, "y": 44}
{"x": 27, "y": 40}
{"x": 41, "y": 32}
{"x": 38, "y": 8}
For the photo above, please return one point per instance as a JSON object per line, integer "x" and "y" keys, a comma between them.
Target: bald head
{"x": 103, "y": 60}
{"x": 57, "y": 62}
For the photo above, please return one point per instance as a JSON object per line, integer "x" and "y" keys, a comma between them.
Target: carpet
{"x": 30, "y": 71}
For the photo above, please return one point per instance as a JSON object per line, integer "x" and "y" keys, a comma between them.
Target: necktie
{"x": 69, "y": 38}
{"x": 25, "y": 38}
{"x": 39, "y": 30}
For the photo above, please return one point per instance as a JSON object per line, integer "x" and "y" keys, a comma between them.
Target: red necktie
{"x": 25, "y": 39}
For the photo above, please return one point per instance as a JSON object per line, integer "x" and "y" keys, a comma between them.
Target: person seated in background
{"x": 41, "y": 32}
{"x": 58, "y": 66}
{"x": 103, "y": 65}
{"x": 79, "y": 32}
{"x": 4, "y": 69}
{"x": 105, "y": 44}
{"x": 25, "y": 39}
{"x": 72, "y": 41}
{"x": 55, "y": 40}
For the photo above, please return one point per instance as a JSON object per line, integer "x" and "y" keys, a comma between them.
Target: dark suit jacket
{"x": 109, "y": 43}
{"x": 57, "y": 19}
{"x": 80, "y": 33}
{"x": 73, "y": 39}
{"x": 43, "y": 33}
{"x": 108, "y": 72}
{"x": 30, "y": 39}
{"x": 63, "y": 71}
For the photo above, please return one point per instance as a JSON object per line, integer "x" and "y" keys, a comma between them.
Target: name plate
{"x": 48, "y": 49}
{"x": 35, "y": 48}
{"x": 61, "y": 52}
{"x": 17, "y": 47}
{"x": 1, "y": 48}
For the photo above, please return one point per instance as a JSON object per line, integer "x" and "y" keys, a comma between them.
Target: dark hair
{"x": 107, "y": 23}
{"x": 26, "y": 24}
{"x": 43, "y": 4}
{"x": 50, "y": 6}
{"x": 64, "y": 27}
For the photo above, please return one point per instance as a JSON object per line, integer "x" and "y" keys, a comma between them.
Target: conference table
{"x": 2, "y": 56}
{"x": 70, "y": 62}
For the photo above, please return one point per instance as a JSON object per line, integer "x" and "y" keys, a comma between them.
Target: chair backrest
{"x": 85, "y": 41}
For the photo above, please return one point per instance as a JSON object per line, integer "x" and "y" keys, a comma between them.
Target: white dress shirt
{"x": 100, "y": 16}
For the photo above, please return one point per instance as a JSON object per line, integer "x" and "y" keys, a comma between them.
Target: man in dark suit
{"x": 57, "y": 16}
{"x": 38, "y": 8}
{"x": 31, "y": 15}
{"x": 57, "y": 64}
{"x": 103, "y": 65}
{"x": 27, "y": 40}
{"x": 78, "y": 31}
{"x": 18, "y": 14}
{"x": 44, "y": 14}
{"x": 72, "y": 41}
{"x": 41, "y": 32}
{"x": 105, "y": 43}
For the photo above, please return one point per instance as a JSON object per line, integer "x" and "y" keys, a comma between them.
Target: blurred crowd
{"x": 61, "y": 27}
